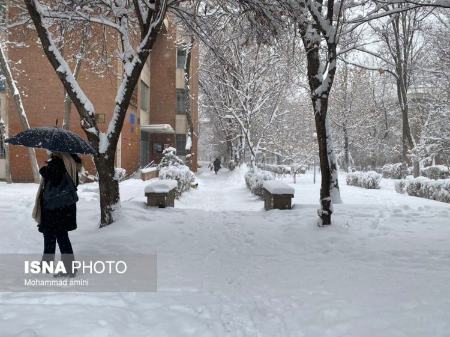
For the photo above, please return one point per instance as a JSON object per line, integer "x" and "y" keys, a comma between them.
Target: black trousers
{"x": 65, "y": 247}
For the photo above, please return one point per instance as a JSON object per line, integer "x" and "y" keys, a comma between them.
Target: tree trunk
{"x": 3, "y": 136}
{"x": 346, "y": 149}
{"x": 187, "y": 102}
{"x": 320, "y": 111}
{"x": 329, "y": 189}
{"x": 108, "y": 187}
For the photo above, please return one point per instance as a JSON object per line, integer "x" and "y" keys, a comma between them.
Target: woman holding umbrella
{"x": 55, "y": 205}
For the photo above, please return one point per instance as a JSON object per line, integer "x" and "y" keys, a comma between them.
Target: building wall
{"x": 44, "y": 97}
{"x": 194, "y": 103}
{"x": 4, "y": 118}
{"x": 162, "y": 79}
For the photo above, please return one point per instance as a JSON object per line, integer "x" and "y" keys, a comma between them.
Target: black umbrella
{"x": 53, "y": 139}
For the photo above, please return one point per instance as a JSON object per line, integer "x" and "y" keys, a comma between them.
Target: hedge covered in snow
{"x": 283, "y": 169}
{"x": 395, "y": 171}
{"x": 423, "y": 187}
{"x": 172, "y": 167}
{"x": 435, "y": 172}
{"x": 255, "y": 179}
{"x": 369, "y": 179}
{"x": 278, "y": 169}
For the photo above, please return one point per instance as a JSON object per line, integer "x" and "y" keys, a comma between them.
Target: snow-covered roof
{"x": 157, "y": 128}
{"x": 160, "y": 185}
{"x": 278, "y": 187}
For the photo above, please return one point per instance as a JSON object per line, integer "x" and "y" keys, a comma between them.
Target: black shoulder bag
{"x": 62, "y": 195}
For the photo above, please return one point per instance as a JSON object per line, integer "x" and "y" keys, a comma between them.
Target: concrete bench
{"x": 277, "y": 195}
{"x": 161, "y": 193}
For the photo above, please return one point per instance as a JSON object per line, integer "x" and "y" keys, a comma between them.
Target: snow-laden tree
{"x": 7, "y": 74}
{"x": 329, "y": 29}
{"x": 136, "y": 25}
{"x": 432, "y": 94}
{"x": 243, "y": 83}
{"x": 400, "y": 50}
{"x": 249, "y": 88}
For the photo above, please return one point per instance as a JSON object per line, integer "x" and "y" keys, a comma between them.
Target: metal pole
{"x": 314, "y": 168}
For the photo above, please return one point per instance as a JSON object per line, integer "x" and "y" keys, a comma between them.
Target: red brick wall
{"x": 130, "y": 153}
{"x": 194, "y": 103}
{"x": 162, "y": 78}
{"x": 44, "y": 98}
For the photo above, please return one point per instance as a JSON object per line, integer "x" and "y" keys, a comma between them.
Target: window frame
{"x": 181, "y": 52}
{"x": 181, "y": 95}
{"x": 177, "y": 143}
{"x": 146, "y": 95}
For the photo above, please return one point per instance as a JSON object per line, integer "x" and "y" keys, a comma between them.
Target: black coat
{"x": 216, "y": 164}
{"x": 64, "y": 218}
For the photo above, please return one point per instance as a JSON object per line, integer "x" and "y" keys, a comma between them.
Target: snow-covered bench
{"x": 161, "y": 193}
{"x": 277, "y": 195}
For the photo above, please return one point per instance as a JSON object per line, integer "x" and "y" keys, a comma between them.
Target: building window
{"x": 100, "y": 118}
{"x": 181, "y": 106}
{"x": 145, "y": 97}
{"x": 181, "y": 145}
{"x": 181, "y": 58}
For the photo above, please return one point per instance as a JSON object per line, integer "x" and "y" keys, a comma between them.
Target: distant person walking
{"x": 216, "y": 165}
{"x": 55, "y": 207}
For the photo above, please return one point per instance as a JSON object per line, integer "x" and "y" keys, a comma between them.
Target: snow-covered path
{"x": 221, "y": 192}
{"x": 228, "y": 268}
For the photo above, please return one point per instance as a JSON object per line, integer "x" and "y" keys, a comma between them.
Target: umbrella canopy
{"x": 53, "y": 139}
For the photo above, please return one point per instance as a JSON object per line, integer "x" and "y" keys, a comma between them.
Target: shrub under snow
{"x": 423, "y": 187}
{"x": 395, "y": 171}
{"x": 400, "y": 186}
{"x": 369, "y": 179}
{"x": 119, "y": 173}
{"x": 435, "y": 172}
{"x": 255, "y": 180}
{"x": 172, "y": 167}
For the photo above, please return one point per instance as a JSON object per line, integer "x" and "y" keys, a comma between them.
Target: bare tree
{"x": 124, "y": 18}
{"x": 17, "y": 98}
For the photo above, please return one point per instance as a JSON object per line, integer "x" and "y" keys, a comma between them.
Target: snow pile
{"x": 422, "y": 187}
{"x": 229, "y": 269}
{"x": 370, "y": 179}
{"x": 395, "y": 171}
{"x": 400, "y": 186}
{"x": 231, "y": 165}
{"x": 278, "y": 187}
{"x": 255, "y": 180}
{"x": 160, "y": 186}
{"x": 119, "y": 173}
{"x": 435, "y": 172}
{"x": 172, "y": 168}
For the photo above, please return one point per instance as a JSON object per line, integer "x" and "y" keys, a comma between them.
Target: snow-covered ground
{"x": 228, "y": 268}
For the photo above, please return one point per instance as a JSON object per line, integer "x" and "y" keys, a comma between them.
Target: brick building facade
{"x": 152, "y": 122}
